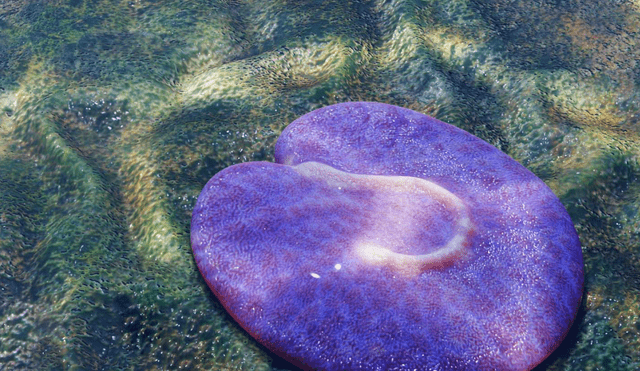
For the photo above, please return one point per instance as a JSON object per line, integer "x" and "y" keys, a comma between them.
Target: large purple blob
{"x": 383, "y": 239}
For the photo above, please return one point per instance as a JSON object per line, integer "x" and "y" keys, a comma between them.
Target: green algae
{"x": 114, "y": 115}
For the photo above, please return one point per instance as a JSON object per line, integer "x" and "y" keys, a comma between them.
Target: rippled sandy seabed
{"x": 116, "y": 113}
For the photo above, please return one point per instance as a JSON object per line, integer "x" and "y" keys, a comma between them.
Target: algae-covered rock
{"x": 115, "y": 115}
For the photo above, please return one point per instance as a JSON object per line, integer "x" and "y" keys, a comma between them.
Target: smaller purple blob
{"x": 384, "y": 239}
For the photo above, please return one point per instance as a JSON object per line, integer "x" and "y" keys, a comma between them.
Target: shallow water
{"x": 115, "y": 114}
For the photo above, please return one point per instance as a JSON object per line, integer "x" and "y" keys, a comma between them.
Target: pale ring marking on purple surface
{"x": 394, "y": 218}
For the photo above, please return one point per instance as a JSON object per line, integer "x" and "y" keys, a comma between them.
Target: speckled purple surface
{"x": 280, "y": 247}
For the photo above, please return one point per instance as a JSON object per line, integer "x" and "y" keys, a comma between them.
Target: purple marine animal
{"x": 383, "y": 239}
